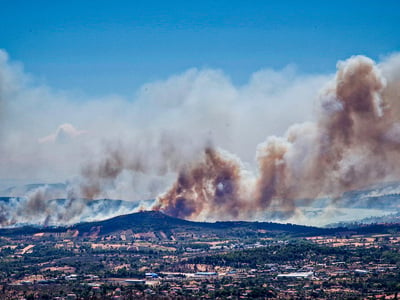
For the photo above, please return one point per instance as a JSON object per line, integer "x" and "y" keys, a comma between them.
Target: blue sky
{"x": 102, "y": 47}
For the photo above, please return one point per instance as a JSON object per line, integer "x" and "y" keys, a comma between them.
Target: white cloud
{"x": 64, "y": 133}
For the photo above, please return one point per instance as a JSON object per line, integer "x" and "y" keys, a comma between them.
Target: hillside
{"x": 155, "y": 221}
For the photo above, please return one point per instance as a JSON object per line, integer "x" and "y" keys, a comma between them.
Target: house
{"x": 205, "y": 274}
{"x": 151, "y": 275}
{"x": 296, "y": 275}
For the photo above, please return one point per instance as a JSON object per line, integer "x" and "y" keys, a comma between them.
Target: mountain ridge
{"x": 155, "y": 221}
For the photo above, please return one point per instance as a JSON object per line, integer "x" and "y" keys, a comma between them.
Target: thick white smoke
{"x": 352, "y": 144}
{"x": 134, "y": 148}
{"x": 175, "y": 117}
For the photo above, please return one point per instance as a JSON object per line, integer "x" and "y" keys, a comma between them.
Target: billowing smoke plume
{"x": 142, "y": 169}
{"x": 166, "y": 142}
{"x": 211, "y": 186}
{"x": 354, "y": 143}
{"x": 40, "y": 206}
{"x": 58, "y": 205}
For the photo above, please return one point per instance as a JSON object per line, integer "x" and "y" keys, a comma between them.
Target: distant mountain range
{"x": 385, "y": 195}
{"x": 379, "y": 204}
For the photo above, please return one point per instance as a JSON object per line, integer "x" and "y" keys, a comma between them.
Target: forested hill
{"x": 157, "y": 221}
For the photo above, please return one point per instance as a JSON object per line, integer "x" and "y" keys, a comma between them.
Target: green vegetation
{"x": 244, "y": 260}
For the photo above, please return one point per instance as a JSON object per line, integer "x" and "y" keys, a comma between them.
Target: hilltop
{"x": 155, "y": 221}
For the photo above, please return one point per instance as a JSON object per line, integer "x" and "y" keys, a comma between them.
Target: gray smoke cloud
{"x": 353, "y": 144}
{"x": 166, "y": 142}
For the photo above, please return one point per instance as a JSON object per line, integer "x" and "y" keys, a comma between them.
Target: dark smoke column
{"x": 209, "y": 186}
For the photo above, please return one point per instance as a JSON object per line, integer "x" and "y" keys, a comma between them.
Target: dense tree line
{"x": 295, "y": 251}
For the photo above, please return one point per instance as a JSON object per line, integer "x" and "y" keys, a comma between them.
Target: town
{"x": 189, "y": 260}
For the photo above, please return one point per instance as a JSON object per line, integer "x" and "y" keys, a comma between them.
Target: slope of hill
{"x": 156, "y": 221}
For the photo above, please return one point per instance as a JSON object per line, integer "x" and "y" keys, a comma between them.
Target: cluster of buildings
{"x": 139, "y": 265}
